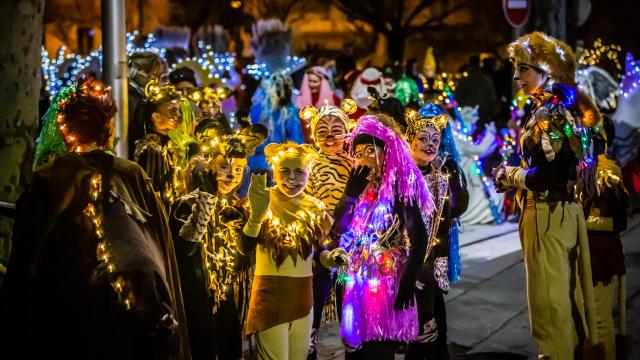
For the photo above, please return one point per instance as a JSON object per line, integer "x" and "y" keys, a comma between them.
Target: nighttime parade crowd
{"x": 293, "y": 192}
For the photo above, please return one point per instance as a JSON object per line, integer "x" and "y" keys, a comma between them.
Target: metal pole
{"x": 141, "y": 14}
{"x": 114, "y": 66}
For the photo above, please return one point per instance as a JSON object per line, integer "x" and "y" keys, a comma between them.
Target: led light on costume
{"x": 377, "y": 254}
{"x": 173, "y": 153}
{"x": 312, "y": 115}
{"x": 292, "y": 238}
{"x": 94, "y": 211}
{"x": 55, "y": 138}
{"x": 213, "y": 223}
{"x": 431, "y": 115}
{"x": 509, "y": 146}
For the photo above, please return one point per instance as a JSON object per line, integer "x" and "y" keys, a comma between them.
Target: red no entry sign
{"x": 516, "y": 11}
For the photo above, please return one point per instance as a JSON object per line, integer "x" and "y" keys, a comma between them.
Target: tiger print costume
{"x": 328, "y": 177}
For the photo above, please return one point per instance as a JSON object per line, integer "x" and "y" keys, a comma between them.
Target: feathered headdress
{"x": 271, "y": 43}
{"x": 553, "y": 56}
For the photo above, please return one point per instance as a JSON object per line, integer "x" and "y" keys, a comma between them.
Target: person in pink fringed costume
{"x": 379, "y": 222}
{"x": 314, "y": 91}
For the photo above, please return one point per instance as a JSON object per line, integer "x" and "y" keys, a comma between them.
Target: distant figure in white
{"x": 479, "y": 210}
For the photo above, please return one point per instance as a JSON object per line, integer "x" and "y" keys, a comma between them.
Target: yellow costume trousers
{"x": 288, "y": 341}
{"x": 604, "y": 297}
{"x": 556, "y": 254}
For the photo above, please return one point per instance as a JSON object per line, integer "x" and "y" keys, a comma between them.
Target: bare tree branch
{"x": 436, "y": 20}
{"x": 417, "y": 10}
{"x": 363, "y": 11}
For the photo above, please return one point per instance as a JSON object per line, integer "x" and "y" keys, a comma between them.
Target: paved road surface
{"x": 487, "y": 311}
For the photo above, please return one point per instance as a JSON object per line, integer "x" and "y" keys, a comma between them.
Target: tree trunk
{"x": 21, "y": 39}
{"x": 395, "y": 45}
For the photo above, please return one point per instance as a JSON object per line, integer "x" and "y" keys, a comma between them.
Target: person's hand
{"x": 357, "y": 182}
{"x": 334, "y": 258}
{"x": 259, "y": 201}
{"x": 208, "y": 181}
{"x": 499, "y": 175}
{"x": 491, "y": 128}
{"x": 406, "y": 294}
{"x": 507, "y": 177}
{"x": 258, "y": 198}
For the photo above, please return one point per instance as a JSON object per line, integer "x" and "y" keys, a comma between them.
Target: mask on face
{"x": 372, "y": 156}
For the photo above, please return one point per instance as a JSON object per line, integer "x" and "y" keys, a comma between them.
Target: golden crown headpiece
{"x": 157, "y": 93}
{"x": 207, "y": 93}
{"x": 417, "y": 123}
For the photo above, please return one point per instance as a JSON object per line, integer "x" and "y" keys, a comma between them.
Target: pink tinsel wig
{"x": 326, "y": 95}
{"x": 401, "y": 177}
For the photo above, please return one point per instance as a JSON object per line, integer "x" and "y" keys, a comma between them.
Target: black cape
{"x": 55, "y": 304}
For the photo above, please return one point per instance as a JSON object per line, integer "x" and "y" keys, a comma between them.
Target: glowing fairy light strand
{"x": 593, "y": 56}
{"x": 292, "y": 64}
{"x": 93, "y": 211}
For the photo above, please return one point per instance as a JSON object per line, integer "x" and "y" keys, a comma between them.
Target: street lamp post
{"x": 114, "y": 66}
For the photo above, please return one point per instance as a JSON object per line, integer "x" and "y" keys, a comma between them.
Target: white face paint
{"x": 291, "y": 179}
{"x": 425, "y": 145}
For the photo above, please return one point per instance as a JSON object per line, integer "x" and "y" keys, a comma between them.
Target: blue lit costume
{"x": 273, "y": 108}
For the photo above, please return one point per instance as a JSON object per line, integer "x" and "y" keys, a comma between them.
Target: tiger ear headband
{"x": 311, "y": 115}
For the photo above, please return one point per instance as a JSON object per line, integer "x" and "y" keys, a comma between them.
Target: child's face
{"x": 291, "y": 177}
{"x": 371, "y": 156}
{"x": 329, "y": 134}
{"x": 229, "y": 172}
{"x": 425, "y": 145}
